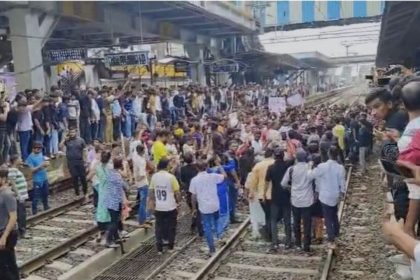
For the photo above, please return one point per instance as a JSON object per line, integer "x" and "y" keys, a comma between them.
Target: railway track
{"x": 145, "y": 263}
{"x": 190, "y": 260}
{"x": 245, "y": 258}
{"x": 361, "y": 252}
{"x": 61, "y": 238}
{"x": 326, "y": 97}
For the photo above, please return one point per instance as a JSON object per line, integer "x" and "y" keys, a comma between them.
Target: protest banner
{"x": 295, "y": 100}
{"x": 277, "y": 104}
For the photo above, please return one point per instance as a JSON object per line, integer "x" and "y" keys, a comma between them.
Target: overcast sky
{"x": 362, "y": 39}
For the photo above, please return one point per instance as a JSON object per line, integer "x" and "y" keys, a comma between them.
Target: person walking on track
{"x": 203, "y": 188}
{"x": 331, "y": 178}
{"x": 164, "y": 198}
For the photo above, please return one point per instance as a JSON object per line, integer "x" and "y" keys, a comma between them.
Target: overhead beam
{"x": 177, "y": 18}
{"x": 189, "y": 24}
{"x": 149, "y": 11}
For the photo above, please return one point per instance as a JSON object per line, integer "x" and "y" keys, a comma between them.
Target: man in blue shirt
{"x": 37, "y": 163}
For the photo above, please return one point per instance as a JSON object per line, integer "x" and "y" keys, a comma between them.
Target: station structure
{"x": 38, "y": 37}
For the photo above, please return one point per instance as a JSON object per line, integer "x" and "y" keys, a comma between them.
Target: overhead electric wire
{"x": 374, "y": 32}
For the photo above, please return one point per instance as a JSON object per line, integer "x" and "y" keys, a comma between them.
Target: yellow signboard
{"x": 161, "y": 70}
{"x": 74, "y": 66}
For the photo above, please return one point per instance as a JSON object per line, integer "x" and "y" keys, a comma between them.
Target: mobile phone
{"x": 395, "y": 170}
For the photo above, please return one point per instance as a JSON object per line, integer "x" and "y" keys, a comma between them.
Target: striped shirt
{"x": 16, "y": 176}
{"x": 114, "y": 196}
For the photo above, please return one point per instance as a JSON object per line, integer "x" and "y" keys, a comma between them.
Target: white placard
{"x": 277, "y": 104}
{"x": 233, "y": 120}
{"x": 295, "y": 100}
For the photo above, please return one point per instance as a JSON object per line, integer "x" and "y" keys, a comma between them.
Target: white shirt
{"x": 139, "y": 170}
{"x": 187, "y": 149}
{"x": 331, "y": 180}
{"x": 257, "y": 146}
{"x": 164, "y": 185}
{"x": 24, "y": 122}
{"x": 415, "y": 264}
{"x": 204, "y": 186}
{"x": 158, "y": 103}
{"x": 171, "y": 101}
{"x": 137, "y": 106}
{"x": 302, "y": 194}
{"x": 133, "y": 146}
{"x": 171, "y": 148}
{"x": 222, "y": 95}
{"x": 95, "y": 109}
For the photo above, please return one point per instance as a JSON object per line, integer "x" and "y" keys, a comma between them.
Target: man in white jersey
{"x": 164, "y": 200}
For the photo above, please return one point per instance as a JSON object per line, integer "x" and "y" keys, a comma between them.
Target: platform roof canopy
{"x": 95, "y": 24}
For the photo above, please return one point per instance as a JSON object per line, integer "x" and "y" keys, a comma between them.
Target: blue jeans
{"x": 134, "y": 122}
{"x": 233, "y": 199}
{"x": 4, "y": 147}
{"x": 223, "y": 194}
{"x": 209, "y": 222}
{"x": 46, "y": 149}
{"x": 174, "y": 115}
{"x": 94, "y": 126}
{"x": 54, "y": 141}
{"x": 24, "y": 140}
{"x": 40, "y": 191}
{"x": 143, "y": 213}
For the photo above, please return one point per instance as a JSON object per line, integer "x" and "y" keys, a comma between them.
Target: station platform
{"x": 56, "y": 172}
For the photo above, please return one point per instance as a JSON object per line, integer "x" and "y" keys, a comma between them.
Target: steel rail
{"x": 56, "y": 211}
{"x": 330, "y": 254}
{"x": 327, "y": 96}
{"x": 61, "y": 249}
{"x": 57, "y": 186}
{"x": 48, "y": 256}
{"x": 170, "y": 259}
{"x": 212, "y": 264}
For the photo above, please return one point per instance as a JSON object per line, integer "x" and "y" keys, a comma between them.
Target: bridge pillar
{"x": 28, "y": 36}
{"x": 196, "y": 54}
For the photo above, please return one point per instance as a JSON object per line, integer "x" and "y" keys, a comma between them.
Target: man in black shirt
{"x": 75, "y": 161}
{"x": 85, "y": 116}
{"x": 188, "y": 172}
{"x": 102, "y": 121}
{"x": 41, "y": 120}
{"x": 280, "y": 199}
{"x": 47, "y": 125}
{"x": 380, "y": 100}
{"x": 8, "y": 233}
{"x": 4, "y": 141}
{"x": 11, "y": 122}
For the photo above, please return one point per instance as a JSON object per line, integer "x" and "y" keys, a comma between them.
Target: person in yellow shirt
{"x": 339, "y": 131}
{"x": 159, "y": 150}
{"x": 179, "y": 130}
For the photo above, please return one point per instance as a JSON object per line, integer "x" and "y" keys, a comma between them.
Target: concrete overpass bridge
{"x": 319, "y": 60}
{"x": 34, "y": 27}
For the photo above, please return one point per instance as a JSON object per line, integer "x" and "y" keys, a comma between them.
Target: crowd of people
{"x": 214, "y": 148}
